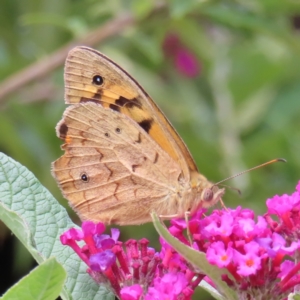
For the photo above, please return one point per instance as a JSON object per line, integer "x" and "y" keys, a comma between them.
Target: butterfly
{"x": 122, "y": 157}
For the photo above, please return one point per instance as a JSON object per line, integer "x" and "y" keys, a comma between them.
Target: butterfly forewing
{"x": 120, "y": 92}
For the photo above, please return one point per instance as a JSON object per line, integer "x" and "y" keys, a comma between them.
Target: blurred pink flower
{"x": 184, "y": 60}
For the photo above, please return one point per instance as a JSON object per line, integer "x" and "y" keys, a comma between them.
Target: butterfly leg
{"x": 169, "y": 217}
{"x": 223, "y": 205}
{"x": 189, "y": 236}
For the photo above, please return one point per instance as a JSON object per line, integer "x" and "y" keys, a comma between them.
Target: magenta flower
{"x": 99, "y": 259}
{"x": 217, "y": 254}
{"x": 221, "y": 225}
{"x": 184, "y": 60}
{"x": 133, "y": 292}
{"x": 187, "y": 63}
{"x": 261, "y": 253}
{"x": 286, "y": 208}
{"x": 254, "y": 250}
{"x": 250, "y": 262}
{"x": 171, "y": 286}
{"x": 102, "y": 261}
{"x": 132, "y": 270}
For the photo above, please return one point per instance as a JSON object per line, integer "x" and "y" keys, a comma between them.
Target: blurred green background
{"x": 226, "y": 73}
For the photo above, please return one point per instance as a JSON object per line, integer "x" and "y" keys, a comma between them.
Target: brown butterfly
{"x": 123, "y": 159}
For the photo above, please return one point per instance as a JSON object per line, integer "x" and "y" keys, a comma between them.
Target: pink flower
{"x": 187, "y": 63}
{"x": 279, "y": 205}
{"x": 286, "y": 208}
{"x": 133, "y": 292}
{"x": 285, "y": 268}
{"x": 118, "y": 265}
{"x": 219, "y": 225}
{"x": 217, "y": 254}
{"x": 254, "y": 250}
{"x": 261, "y": 253}
{"x": 102, "y": 261}
{"x": 250, "y": 262}
{"x": 171, "y": 286}
{"x": 184, "y": 60}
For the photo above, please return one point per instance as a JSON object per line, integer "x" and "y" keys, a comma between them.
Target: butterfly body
{"x": 123, "y": 159}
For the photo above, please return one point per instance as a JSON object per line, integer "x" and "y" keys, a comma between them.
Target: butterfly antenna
{"x": 230, "y": 187}
{"x": 251, "y": 169}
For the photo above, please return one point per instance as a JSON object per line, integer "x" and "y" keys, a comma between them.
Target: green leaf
{"x": 211, "y": 290}
{"x": 44, "y": 282}
{"x": 38, "y": 220}
{"x": 180, "y": 8}
{"x": 141, "y": 8}
{"x": 148, "y": 47}
{"x": 236, "y": 17}
{"x": 198, "y": 260}
{"x": 20, "y": 228}
{"x": 293, "y": 296}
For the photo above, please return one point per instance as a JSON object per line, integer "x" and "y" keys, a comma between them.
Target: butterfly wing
{"x": 112, "y": 170}
{"x": 92, "y": 77}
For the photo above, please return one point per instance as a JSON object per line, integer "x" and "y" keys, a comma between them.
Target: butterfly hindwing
{"x": 112, "y": 170}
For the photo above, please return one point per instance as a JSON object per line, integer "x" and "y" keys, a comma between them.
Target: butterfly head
{"x": 211, "y": 195}
{"x": 207, "y": 193}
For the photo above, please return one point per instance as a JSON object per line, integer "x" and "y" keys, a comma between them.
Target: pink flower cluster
{"x": 132, "y": 270}
{"x": 260, "y": 253}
